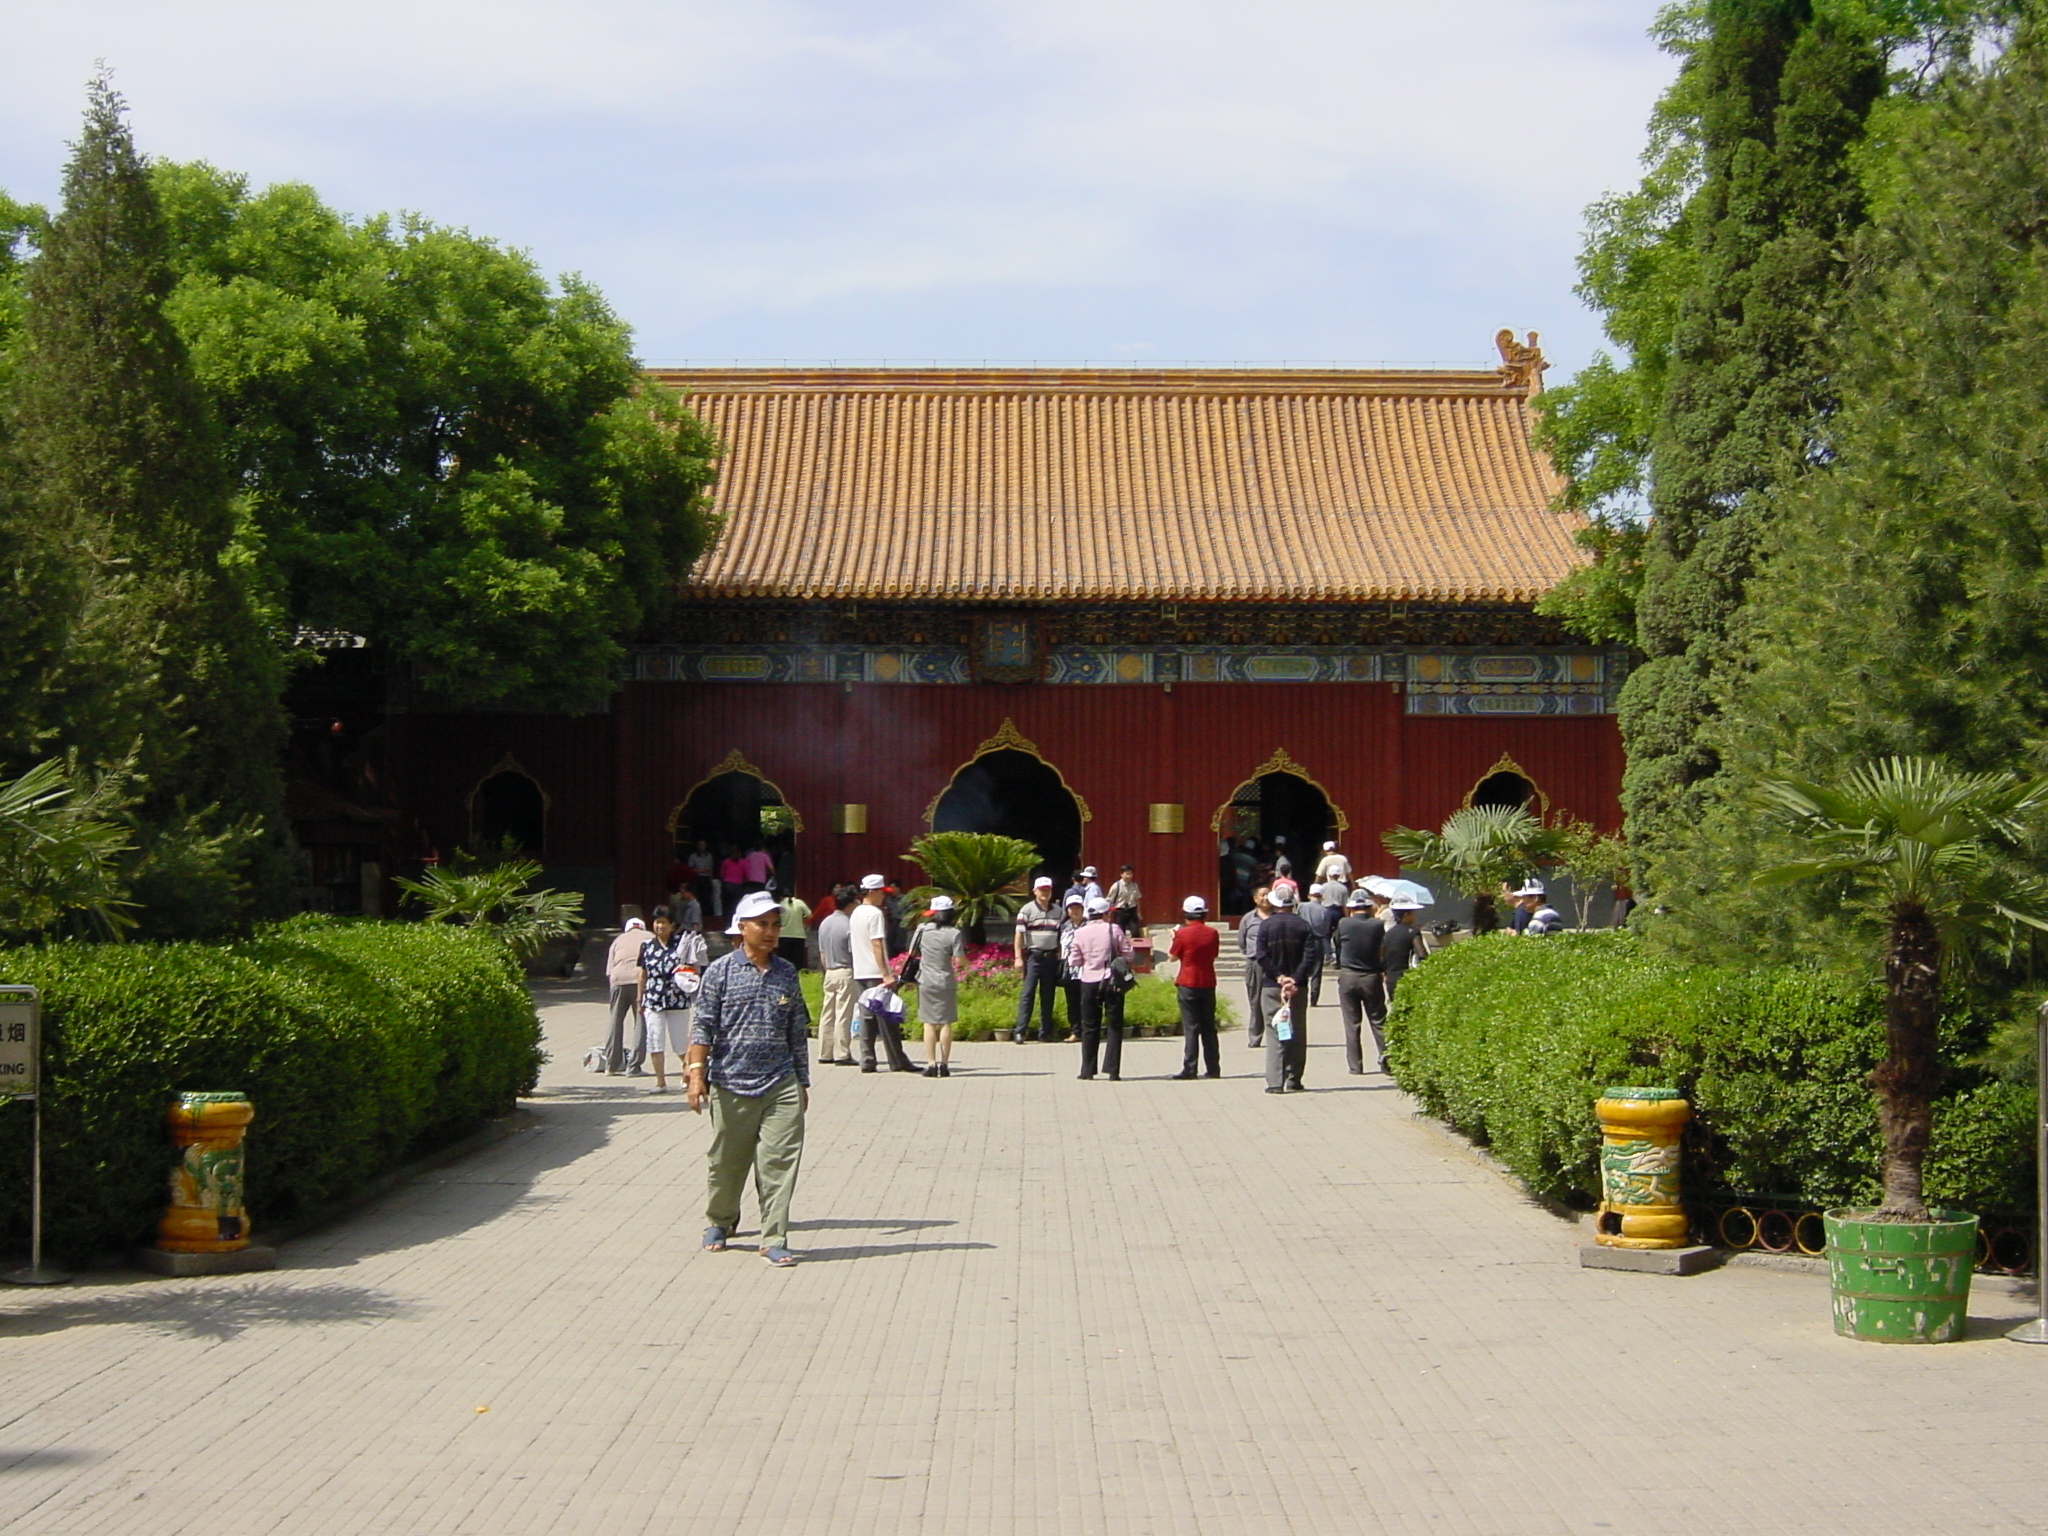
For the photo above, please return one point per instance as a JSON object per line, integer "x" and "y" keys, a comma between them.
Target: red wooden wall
{"x": 613, "y": 780}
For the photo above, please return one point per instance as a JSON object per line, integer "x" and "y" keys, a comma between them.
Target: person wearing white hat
{"x": 1084, "y": 886}
{"x": 1094, "y": 954}
{"x": 1403, "y": 946}
{"x": 1036, "y": 938}
{"x": 622, "y": 974}
{"x": 750, "y": 1057}
{"x": 1288, "y": 952}
{"x": 1194, "y": 947}
{"x": 1539, "y": 916}
{"x": 940, "y": 947}
{"x": 1359, "y": 957}
{"x": 1332, "y": 866}
{"x": 1518, "y": 898}
{"x": 869, "y": 927}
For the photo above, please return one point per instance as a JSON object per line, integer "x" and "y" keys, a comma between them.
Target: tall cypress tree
{"x": 1783, "y": 99}
{"x": 166, "y": 651}
{"x": 1906, "y": 609}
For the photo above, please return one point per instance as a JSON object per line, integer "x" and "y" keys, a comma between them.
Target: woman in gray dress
{"x": 940, "y": 947}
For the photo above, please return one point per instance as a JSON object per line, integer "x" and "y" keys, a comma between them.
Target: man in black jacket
{"x": 1361, "y": 971}
{"x": 1288, "y": 952}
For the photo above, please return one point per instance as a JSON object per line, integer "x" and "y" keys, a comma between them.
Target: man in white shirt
{"x": 1333, "y": 866}
{"x": 869, "y": 931}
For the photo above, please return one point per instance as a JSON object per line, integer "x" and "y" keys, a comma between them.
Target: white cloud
{"x": 1373, "y": 172}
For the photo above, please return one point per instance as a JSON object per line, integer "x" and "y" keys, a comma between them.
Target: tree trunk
{"x": 1485, "y": 915}
{"x": 1906, "y": 1079}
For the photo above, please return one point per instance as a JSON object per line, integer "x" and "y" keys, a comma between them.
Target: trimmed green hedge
{"x": 361, "y": 1045}
{"x": 1511, "y": 1041}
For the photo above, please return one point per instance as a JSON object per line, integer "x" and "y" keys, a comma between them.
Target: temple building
{"x": 1131, "y": 616}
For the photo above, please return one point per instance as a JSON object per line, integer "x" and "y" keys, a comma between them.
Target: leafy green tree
{"x": 1478, "y": 850}
{"x": 1783, "y": 97}
{"x": 61, "y": 848}
{"x": 1901, "y": 612}
{"x": 1923, "y": 854}
{"x": 1642, "y": 258}
{"x": 981, "y": 871}
{"x": 163, "y": 652}
{"x": 1592, "y": 857}
{"x": 498, "y": 899}
{"x": 435, "y": 449}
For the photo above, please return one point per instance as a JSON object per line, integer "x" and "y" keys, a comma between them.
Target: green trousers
{"x": 764, "y": 1132}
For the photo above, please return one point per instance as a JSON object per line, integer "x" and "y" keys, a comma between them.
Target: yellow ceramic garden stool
{"x": 206, "y": 1214}
{"x": 1639, "y": 1131}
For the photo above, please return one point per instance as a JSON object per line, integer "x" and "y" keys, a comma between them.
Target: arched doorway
{"x": 508, "y": 812}
{"x": 1278, "y": 811}
{"x": 736, "y": 808}
{"x": 1507, "y": 786}
{"x": 1007, "y": 788}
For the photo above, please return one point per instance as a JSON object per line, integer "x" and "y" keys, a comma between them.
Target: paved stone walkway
{"x": 1030, "y": 1304}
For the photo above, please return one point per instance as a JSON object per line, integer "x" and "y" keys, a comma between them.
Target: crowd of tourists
{"x": 741, "y": 1027}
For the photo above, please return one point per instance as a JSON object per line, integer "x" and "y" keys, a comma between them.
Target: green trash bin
{"x": 1901, "y": 1282}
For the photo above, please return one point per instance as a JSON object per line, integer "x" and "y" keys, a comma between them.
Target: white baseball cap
{"x": 1042, "y": 883}
{"x": 754, "y": 904}
{"x": 1282, "y": 895}
{"x": 634, "y": 922}
{"x": 1088, "y": 873}
{"x": 1359, "y": 899}
{"x": 1193, "y": 905}
{"x": 940, "y": 903}
{"x": 1097, "y": 905}
{"x": 1531, "y": 888}
{"x": 1329, "y": 847}
{"x": 872, "y": 882}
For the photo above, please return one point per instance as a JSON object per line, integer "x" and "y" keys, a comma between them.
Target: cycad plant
{"x": 1477, "y": 850}
{"x": 496, "y": 900}
{"x": 60, "y": 852}
{"x": 1924, "y": 853}
{"x": 981, "y": 871}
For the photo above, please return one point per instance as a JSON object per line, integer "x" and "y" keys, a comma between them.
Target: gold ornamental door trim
{"x": 734, "y": 761}
{"x": 1008, "y": 739}
{"x": 1282, "y": 762}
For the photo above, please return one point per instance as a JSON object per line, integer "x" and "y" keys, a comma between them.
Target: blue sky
{"x": 1109, "y": 180}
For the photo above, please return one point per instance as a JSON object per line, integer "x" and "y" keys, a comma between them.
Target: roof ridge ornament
{"x": 1521, "y": 363}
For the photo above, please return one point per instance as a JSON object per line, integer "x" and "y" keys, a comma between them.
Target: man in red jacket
{"x": 1194, "y": 946}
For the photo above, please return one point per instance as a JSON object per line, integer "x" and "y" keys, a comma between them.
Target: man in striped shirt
{"x": 750, "y": 1055}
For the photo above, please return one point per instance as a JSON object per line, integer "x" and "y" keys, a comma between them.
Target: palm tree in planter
{"x": 1478, "y": 850}
{"x": 1925, "y": 853}
{"x": 981, "y": 871}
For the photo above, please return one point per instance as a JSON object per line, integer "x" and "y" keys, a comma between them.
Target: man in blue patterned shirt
{"x": 749, "y": 1054}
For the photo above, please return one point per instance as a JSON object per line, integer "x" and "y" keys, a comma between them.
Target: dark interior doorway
{"x": 734, "y": 812}
{"x": 1274, "y": 816}
{"x": 1015, "y": 794}
{"x": 508, "y": 811}
{"x": 1509, "y": 790}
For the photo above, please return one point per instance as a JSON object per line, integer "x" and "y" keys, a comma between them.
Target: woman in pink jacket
{"x": 1096, "y": 948}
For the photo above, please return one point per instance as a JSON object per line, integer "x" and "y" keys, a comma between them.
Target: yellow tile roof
{"x": 1031, "y": 486}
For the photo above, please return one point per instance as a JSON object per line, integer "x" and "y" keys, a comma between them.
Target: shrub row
{"x": 360, "y": 1044}
{"x": 1512, "y": 1041}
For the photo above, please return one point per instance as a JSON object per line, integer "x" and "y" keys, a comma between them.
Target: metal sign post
{"x": 21, "y": 1077}
{"x": 2036, "y": 1332}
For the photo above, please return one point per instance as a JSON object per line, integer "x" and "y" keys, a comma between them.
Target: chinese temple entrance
{"x": 1273, "y": 818}
{"x": 1017, "y": 795}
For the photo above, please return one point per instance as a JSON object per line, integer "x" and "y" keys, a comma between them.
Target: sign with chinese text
{"x": 20, "y": 1037}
